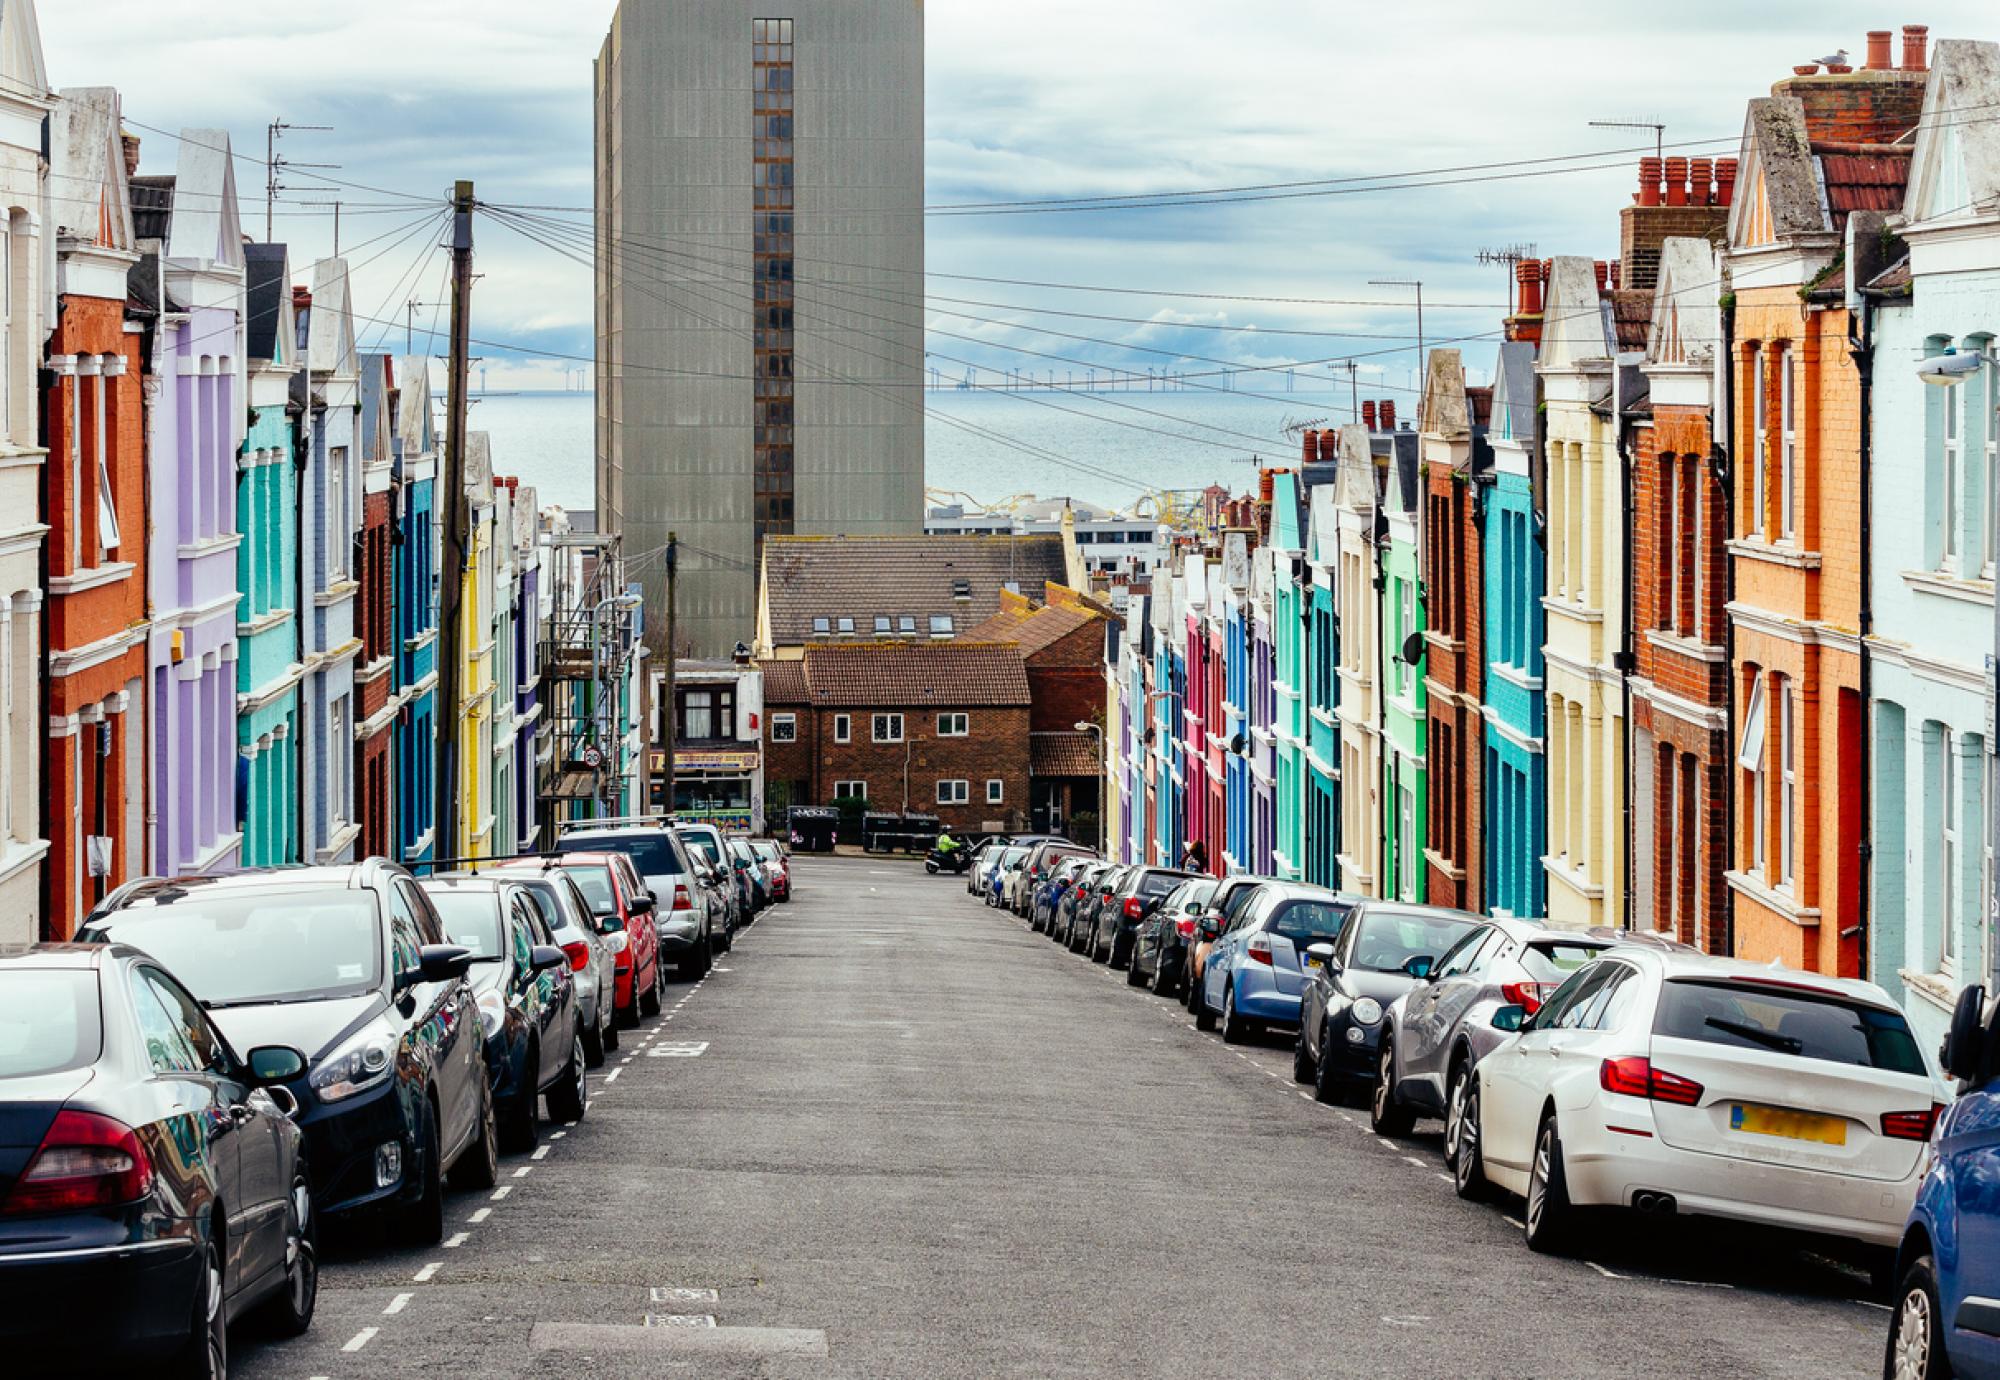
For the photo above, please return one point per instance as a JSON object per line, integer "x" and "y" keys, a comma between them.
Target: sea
{"x": 1108, "y": 449}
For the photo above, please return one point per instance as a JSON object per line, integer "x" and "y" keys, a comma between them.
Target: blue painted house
{"x": 1516, "y": 794}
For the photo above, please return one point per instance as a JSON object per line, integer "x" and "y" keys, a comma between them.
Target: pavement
{"x": 896, "y": 1134}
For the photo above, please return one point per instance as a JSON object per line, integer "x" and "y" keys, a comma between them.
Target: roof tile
{"x": 897, "y": 674}
{"x": 865, "y": 578}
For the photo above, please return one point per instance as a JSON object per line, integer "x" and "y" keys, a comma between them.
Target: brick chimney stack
{"x": 1880, "y": 104}
{"x": 1329, "y": 446}
{"x": 1386, "y": 410}
{"x": 1685, "y": 205}
{"x": 131, "y": 142}
{"x": 1526, "y": 322}
{"x": 1310, "y": 450}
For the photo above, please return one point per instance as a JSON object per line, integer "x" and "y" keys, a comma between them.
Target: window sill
{"x": 1942, "y": 585}
{"x": 1442, "y": 641}
{"x": 1570, "y": 608}
{"x": 1750, "y": 885}
{"x": 1691, "y": 647}
{"x": 1516, "y": 676}
{"x": 208, "y": 546}
{"x": 337, "y": 593}
{"x": 1444, "y": 865}
{"x": 1936, "y": 988}
{"x": 92, "y": 577}
{"x": 1772, "y": 554}
{"x": 1572, "y": 877}
{"x": 261, "y": 624}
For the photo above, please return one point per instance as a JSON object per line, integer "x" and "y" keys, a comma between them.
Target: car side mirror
{"x": 1321, "y": 956}
{"x": 1419, "y": 967}
{"x": 544, "y": 958}
{"x": 1965, "y": 1041}
{"x": 437, "y": 963}
{"x": 1208, "y": 927}
{"x": 271, "y": 1065}
{"x": 639, "y": 905}
{"x": 1509, "y": 1019}
{"x": 610, "y": 924}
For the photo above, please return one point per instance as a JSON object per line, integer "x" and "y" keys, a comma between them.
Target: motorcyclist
{"x": 947, "y": 845}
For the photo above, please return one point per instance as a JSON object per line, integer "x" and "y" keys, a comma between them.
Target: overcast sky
{"x": 1036, "y": 98}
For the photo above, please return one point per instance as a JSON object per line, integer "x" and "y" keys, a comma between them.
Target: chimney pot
{"x": 1649, "y": 181}
{"x": 1677, "y": 182}
{"x": 1616, "y": 281}
{"x": 1878, "y": 51}
{"x": 1311, "y": 448}
{"x": 301, "y": 298}
{"x": 1603, "y": 275}
{"x": 1725, "y": 180}
{"x": 1915, "y": 40}
{"x": 1387, "y": 412}
{"x": 1329, "y": 446}
{"x": 1368, "y": 414}
{"x": 1701, "y": 172}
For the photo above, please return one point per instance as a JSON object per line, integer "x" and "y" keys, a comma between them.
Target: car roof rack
{"x": 584, "y": 826}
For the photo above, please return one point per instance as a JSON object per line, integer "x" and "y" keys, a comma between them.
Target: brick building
{"x": 374, "y": 666}
{"x": 915, "y": 728}
{"x": 93, "y": 500}
{"x": 1451, "y": 436}
{"x": 1820, "y": 166}
{"x": 1062, "y": 642}
{"x": 1680, "y": 584}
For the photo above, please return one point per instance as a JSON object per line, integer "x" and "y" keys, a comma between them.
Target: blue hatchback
{"x": 1256, "y": 973}
{"x": 1947, "y": 1314}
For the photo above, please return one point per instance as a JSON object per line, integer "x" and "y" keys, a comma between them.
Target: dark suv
{"x": 349, "y": 965}
{"x": 684, "y": 912}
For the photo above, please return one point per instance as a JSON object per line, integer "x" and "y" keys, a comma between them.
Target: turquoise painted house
{"x": 1405, "y": 710}
{"x": 267, "y": 626}
{"x": 1291, "y": 596}
{"x": 1516, "y": 781}
{"x": 1322, "y": 685}
{"x": 415, "y": 617}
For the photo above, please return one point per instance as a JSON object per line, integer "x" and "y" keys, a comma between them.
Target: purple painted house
{"x": 191, "y": 271}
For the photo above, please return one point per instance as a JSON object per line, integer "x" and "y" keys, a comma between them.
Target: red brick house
{"x": 1062, "y": 642}
{"x": 914, "y": 727}
{"x": 93, "y": 501}
{"x": 375, "y": 713}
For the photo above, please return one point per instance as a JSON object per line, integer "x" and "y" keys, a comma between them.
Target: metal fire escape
{"x": 590, "y": 649}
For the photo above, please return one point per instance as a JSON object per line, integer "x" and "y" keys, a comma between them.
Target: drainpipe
{"x": 1861, "y": 349}
{"x": 1718, "y": 455}
{"x": 1627, "y": 655}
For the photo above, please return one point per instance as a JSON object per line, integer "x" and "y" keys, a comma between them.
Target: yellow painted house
{"x": 476, "y": 637}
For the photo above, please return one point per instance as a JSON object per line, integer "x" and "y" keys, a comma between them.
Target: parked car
{"x": 152, "y": 1186}
{"x": 1385, "y": 949}
{"x": 1256, "y": 972}
{"x": 1078, "y": 889}
{"x": 708, "y": 857}
{"x": 350, "y": 965}
{"x": 591, "y": 948}
{"x": 1008, "y": 864}
{"x": 527, "y": 1000}
{"x": 686, "y": 916}
{"x": 1231, "y": 895}
{"x": 1081, "y": 934}
{"x": 778, "y": 865}
{"x": 622, "y": 905}
{"x": 1947, "y": 1300}
{"x": 1043, "y": 858}
{"x": 1435, "y": 1033}
{"x": 1672, "y": 1082}
{"x": 984, "y": 854}
{"x": 1159, "y": 954}
{"x": 753, "y": 891}
{"x": 1050, "y": 889}
{"x": 1139, "y": 891}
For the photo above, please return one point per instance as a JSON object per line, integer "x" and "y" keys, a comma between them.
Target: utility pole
{"x": 667, "y": 701}
{"x": 272, "y": 133}
{"x": 451, "y": 572}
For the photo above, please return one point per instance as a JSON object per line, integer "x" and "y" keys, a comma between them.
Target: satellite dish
{"x": 1236, "y": 745}
{"x": 1413, "y": 648}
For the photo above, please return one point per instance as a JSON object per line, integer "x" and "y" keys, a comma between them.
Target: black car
{"x": 350, "y": 965}
{"x": 1057, "y": 881}
{"x": 1078, "y": 889}
{"x": 1384, "y": 949}
{"x": 1159, "y": 951}
{"x": 1131, "y": 903}
{"x": 152, "y": 1187}
{"x": 1083, "y": 921}
{"x": 527, "y": 1001}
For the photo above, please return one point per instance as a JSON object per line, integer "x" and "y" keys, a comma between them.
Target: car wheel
{"x": 1549, "y": 1219}
{"x": 1163, "y": 981}
{"x": 205, "y": 1356}
{"x": 728, "y": 938}
{"x": 1326, "y": 1086}
{"x": 1916, "y": 1350}
{"x": 566, "y": 1098}
{"x": 1468, "y": 1164}
{"x": 1204, "y": 1019}
{"x": 423, "y": 1223}
{"x": 1302, "y": 1061}
{"x": 479, "y": 1166}
{"x": 1134, "y": 975}
{"x": 290, "y": 1311}
{"x": 1235, "y": 1030}
{"x": 1385, "y": 1114}
{"x": 593, "y": 1047}
{"x": 611, "y": 1036}
{"x": 520, "y": 1119}
{"x": 649, "y": 999}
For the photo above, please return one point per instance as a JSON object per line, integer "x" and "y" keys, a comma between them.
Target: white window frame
{"x": 954, "y": 725}
{"x": 877, "y": 722}
{"x": 843, "y": 728}
{"x": 1750, "y": 756}
{"x": 996, "y": 794}
{"x": 1788, "y": 783}
{"x": 1990, "y": 517}
{"x": 1788, "y": 505}
{"x": 845, "y": 788}
{"x": 1759, "y": 457}
{"x": 338, "y": 529}
{"x": 339, "y": 761}
{"x": 1950, "y": 837}
{"x": 942, "y": 626}
{"x": 957, "y": 792}
{"x": 1951, "y": 464}
{"x": 784, "y": 728}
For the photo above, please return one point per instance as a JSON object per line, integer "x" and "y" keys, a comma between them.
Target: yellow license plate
{"x": 1769, "y": 1121}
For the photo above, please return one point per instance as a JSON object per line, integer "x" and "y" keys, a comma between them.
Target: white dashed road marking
{"x": 480, "y": 1216}
{"x": 397, "y": 1305}
{"x": 524, "y": 1171}
{"x": 612, "y": 1077}
{"x": 679, "y": 1320}
{"x": 660, "y": 1295}
{"x": 541, "y": 1153}
{"x": 1608, "y": 1274}
{"x": 360, "y": 1339}
{"x": 423, "y": 1276}
{"x": 456, "y": 1240}
{"x": 502, "y": 1191}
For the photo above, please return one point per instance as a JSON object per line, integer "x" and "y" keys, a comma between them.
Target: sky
{"x": 1033, "y": 99}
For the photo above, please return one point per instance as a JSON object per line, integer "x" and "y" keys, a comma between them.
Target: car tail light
{"x": 1912, "y": 1125}
{"x": 1527, "y": 995}
{"x": 85, "y": 1161}
{"x": 1185, "y": 927}
{"x": 1135, "y": 909}
{"x": 579, "y": 955}
{"x": 683, "y": 896}
{"x": 1635, "y": 1076}
{"x": 1259, "y": 948}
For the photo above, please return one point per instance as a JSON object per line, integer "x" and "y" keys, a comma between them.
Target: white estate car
{"x": 1669, "y": 1081}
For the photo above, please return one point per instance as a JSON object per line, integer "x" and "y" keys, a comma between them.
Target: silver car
{"x": 593, "y": 953}
{"x": 689, "y": 913}
{"x": 1435, "y": 1033}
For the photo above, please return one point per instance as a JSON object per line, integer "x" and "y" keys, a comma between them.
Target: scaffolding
{"x": 588, "y": 758}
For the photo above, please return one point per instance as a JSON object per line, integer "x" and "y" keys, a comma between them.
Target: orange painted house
{"x": 93, "y": 500}
{"x": 1821, "y": 166}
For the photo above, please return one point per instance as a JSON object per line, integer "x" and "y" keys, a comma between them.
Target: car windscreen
{"x": 1801, "y": 1024}
{"x": 1388, "y": 940}
{"x": 652, "y": 854}
{"x": 1552, "y": 960}
{"x": 1310, "y": 922}
{"x": 549, "y": 896}
{"x": 245, "y": 947}
{"x": 705, "y": 841}
{"x": 48, "y": 1021}
{"x": 1153, "y": 885}
{"x": 471, "y": 919}
{"x": 594, "y": 881}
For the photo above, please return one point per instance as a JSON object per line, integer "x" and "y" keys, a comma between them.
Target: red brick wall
{"x": 1453, "y": 663}
{"x": 1859, "y": 107}
{"x": 995, "y": 747}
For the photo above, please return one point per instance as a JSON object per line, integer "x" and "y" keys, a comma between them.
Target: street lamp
{"x": 1085, "y": 726}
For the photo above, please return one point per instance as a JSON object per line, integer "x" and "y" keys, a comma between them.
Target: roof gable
{"x": 414, "y": 424}
{"x": 378, "y": 421}
{"x": 208, "y": 223}
{"x": 330, "y": 329}
{"x": 1514, "y": 393}
{"x": 270, "y": 324}
{"x": 1955, "y": 166}
{"x": 1687, "y": 321}
{"x": 1573, "y": 328}
{"x": 1359, "y": 486}
{"x": 1444, "y": 411}
{"x": 1781, "y": 194}
{"x": 1285, "y": 533}
{"x": 90, "y": 200}
{"x": 21, "y": 67}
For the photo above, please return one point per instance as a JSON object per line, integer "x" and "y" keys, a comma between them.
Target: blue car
{"x": 1256, "y": 972}
{"x": 1947, "y": 1312}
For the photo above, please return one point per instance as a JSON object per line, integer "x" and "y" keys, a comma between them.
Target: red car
{"x": 777, "y": 865}
{"x": 613, "y": 888}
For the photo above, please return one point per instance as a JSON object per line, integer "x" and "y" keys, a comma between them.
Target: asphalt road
{"x": 895, "y": 1134}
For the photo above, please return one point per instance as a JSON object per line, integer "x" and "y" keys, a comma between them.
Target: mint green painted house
{"x": 1290, "y": 605}
{"x": 1405, "y": 711}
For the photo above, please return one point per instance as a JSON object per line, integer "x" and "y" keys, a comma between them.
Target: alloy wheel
{"x": 301, "y": 1260}
{"x": 1538, "y": 1180}
{"x": 1454, "y": 1120}
{"x": 1910, "y": 1346}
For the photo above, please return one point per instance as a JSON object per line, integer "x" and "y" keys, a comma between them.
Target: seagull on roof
{"x": 1839, "y": 59}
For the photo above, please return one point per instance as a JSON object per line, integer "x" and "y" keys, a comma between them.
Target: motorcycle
{"x": 956, "y": 861}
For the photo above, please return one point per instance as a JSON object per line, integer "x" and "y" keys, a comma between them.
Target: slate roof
{"x": 152, "y": 207}
{"x": 1066, "y": 752}
{"x": 949, "y": 675}
{"x": 1632, "y": 314}
{"x": 264, "y": 267}
{"x": 785, "y": 682}
{"x": 1514, "y": 385}
{"x": 866, "y": 577}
